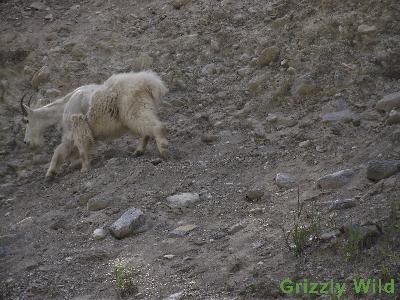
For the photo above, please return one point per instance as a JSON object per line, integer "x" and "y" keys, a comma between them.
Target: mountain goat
{"x": 126, "y": 102}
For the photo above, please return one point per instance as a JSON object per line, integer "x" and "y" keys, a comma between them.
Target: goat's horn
{"x": 24, "y": 112}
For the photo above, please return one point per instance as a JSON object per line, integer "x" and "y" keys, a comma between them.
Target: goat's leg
{"x": 159, "y": 133}
{"x": 142, "y": 145}
{"x": 83, "y": 138}
{"x": 60, "y": 154}
{"x": 75, "y": 161}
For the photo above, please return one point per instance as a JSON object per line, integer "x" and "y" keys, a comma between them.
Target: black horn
{"x": 24, "y": 112}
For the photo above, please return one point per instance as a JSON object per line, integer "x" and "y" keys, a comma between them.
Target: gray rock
{"x": 366, "y": 29}
{"x": 37, "y": 5}
{"x": 177, "y": 4}
{"x": 284, "y": 180}
{"x": 335, "y": 180}
{"x": 183, "y": 230}
{"x": 303, "y": 86}
{"x": 328, "y": 235}
{"x": 365, "y": 236}
{"x": 377, "y": 170}
{"x": 389, "y": 102}
{"x": 130, "y": 222}
{"x": 342, "y": 204}
{"x": 176, "y": 296}
{"x": 254, "y": 195}
{"x": 98, "y": 203}
{"x": 268, "y": 55}
{"x": 99, "y": 234}
{"x": 394, "y": 117}
{"x": 235, "y": 228}
{"x": 183, "y": 200}
{"x": 338, "y": 116}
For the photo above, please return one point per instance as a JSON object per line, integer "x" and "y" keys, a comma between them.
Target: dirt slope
{"x": 256, "y": 88}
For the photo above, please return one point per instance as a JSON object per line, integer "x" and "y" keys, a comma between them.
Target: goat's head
{"x": 34, "y": 125}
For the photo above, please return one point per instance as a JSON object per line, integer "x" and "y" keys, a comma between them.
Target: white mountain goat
{"x": 37, "y": 120}
{"x": 126, "y": 102}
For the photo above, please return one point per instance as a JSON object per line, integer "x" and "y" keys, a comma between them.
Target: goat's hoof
{"x": 49, "y": 178}
{"x": 165, "y": 155}
{"x": 138, "y": 153}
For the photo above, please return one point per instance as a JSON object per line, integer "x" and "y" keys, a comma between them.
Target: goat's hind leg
{"x": 60, "y": 154}
{"x": 159, "y": 133}
{"x": 83, "y": 138}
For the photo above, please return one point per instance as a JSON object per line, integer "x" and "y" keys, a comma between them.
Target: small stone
{"x": 377, "y": 170}
{"x": 342, "y": 204}
{"x": 99, "y": 234}
{"x": 98, "y": 203}
{"x": 257, "y": 211}
{"x": 244, "y": 71}
{"x": 38, "y": 5}
{"x": 389, "y": 102}
{"x": 394, "y": 117}
{"x": 78, "y": 52}
{"x": 183, "y": 230}
{"x": 335, "y": 180}
{"x": 183, "y": 200}
{"x": 268, "y": 55}
{"x": 303, "y": 86}
{"x": 49, "y": 17}
{"x": 254, "y": 195}
{"x": 305, "y": 144}
{"x": 235, "y": 228}
{"x": 169, "y": 256}
{"x": 365, "y": 29}
{"x": 176, "y": 296}
{"x": 284, "y": 180}
{"x": 325, "y": 236}
{"x": 52, "y": 93}
{"x": 177, "y": 4}
{"x": 130, "y": 222}
{"x": 209, "y": 138}
{"x": 339, "y": 116}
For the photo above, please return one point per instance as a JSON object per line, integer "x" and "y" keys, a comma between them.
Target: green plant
{"x": 306, "y": 227}
{"x": 352, "y": 245}
{"x": 124, "y": 280}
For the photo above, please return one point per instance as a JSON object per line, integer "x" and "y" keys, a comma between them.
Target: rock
{"x": 143, "y": 62}
{"x": 303, "y": 86}
{"x": 52, "y": 93}
{"x": 244, "y": 71}
{"x": 183, "y": 200}
{"x": 305, "y": 144}
{"x": 99, "y": 234}
{"x": 377, "y": 170}
{"x": 254, "y": 195}
{"x": 342, "y": 204}
{"x": 209, "y": 138}
{"x": 40, "y": 77}
{"x": 284, "y": 180}
{"x": 389, "y": 102}
{"x": 183, "y": 230}
{"x": 176, "y": 296}
{"x": 325, "y": 236}
{"x": 98, "y": 203}
{"x": 38, "y": 5}
{"x": 78, "y": 52}
{"x": 177, "y": 4}
{"x": 209, "y": 69}
{"x": 130, "y": 222}
{"x": 280, "y": 120}
{"x": 365, "y": 236}
{"x": 394, "y": 117}
{"x": 235, "y": 228}
{"x": 169, "y": 256}
{"x": 268, "y": 55}
{"x": 335, "y": 180}
{"x": 338, "y": 116}
{"x": 366, "y": 29}
{"x": 49, "y": 17}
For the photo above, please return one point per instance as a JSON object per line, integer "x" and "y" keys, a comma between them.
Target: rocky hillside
{"x": 283, "y": 119}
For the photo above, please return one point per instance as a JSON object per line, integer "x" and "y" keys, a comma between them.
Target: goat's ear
{"x": 28, "y": 109}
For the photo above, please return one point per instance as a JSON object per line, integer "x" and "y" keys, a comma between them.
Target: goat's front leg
{"x": 60, "y": 154}
{"x": 141, "y": 146}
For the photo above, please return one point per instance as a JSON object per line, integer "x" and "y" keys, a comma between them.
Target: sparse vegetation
{"x": 124, "y": 280}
